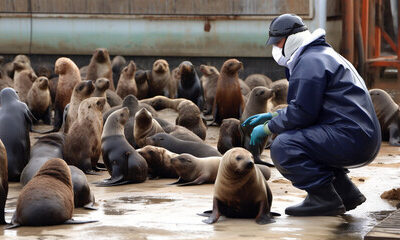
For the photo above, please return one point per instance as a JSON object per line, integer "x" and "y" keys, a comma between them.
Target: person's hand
{"x": 259, "y": 133}
{"x": 259, "y": 119}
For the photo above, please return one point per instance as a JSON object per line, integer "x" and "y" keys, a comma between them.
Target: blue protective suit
{"x": 329, "y": 123}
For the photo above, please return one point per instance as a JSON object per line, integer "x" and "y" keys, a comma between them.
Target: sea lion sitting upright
{"x": 142, "y": 79}
{"x": 127, "y": 83}
{"x": 48, "y": 198}
{"x": 39, "y": 100}
{"x": 3, "y": 181}
{"x": 209, "y": 81}
{"x": 228, "y": 102}
{"x": 100, "y": 88}
{"x": 123, "y": 163}
{"x": 240, "y": 190}
{"x": 100, "y": 66}
{"x": 145, "y": 126}
{"x": 189, "y": 86}
{"x": 229, "y": 135}
{"x": 159, "y": 161}
{"x": 388, "y": 114}
{"x": 24, "y": 77}
{"x": 15, "y": 123}
{"x": 159, "y": 78}
{"x": 190, "y": 117}
{"x": 117, "y": 64}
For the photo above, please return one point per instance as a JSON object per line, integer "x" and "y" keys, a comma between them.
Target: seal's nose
{"x": 249, "y": 165}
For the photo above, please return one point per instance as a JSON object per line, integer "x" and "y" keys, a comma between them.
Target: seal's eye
{"x": 80, "y": 88}
{"x": 161, "y": 138}
{"x": 238, "y": 158}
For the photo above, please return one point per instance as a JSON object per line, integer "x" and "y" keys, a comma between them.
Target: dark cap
{"x": 283, "y": 26}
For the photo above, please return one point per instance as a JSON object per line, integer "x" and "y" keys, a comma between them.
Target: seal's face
{"x": 160, "y": 66}
{"x": 232, "y": 66}
{"x": 43, "y": 82}
{"x": 183, "y": 163}
{"x": 84, "y": 88}
{"x": 186, "y": 67}
{"x": 102, "y": 84}
{"x": 208, "y": 70}
{"x": 238, "y": 161}
{"x": 156, "y": 139}
{"x": 101, "y": 55}
{"x": 151, "y": 154}
{"x": 62, "y": 65}
{"x": 123, "y": 115}
{"x": 130, "y": 69}
{"x": 143, "y": 118}
{"x": 263, "y": 93}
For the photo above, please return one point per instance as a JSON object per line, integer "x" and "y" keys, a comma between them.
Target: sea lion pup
{"x": 159, "y": 161}
{"x": 100, "y": 66}
{"x": 68, "y": 77}
{"x": 228, "y": 102}
{"x": 123, "y": 163}
{"x": 229, "y": 135}
{"x": 159, "y": 78}
{"x": 280, "y": 91}
{"x": 100, "y": 88}
{"x": 162, "y": 102}
{"x": 15, "y": 123}
{"x": 48, "y": 198}
{"x": 257, "y": 80}
{"x": 209, "y": 81}
{"x": 39, "y": 100}
{"x": 21, "y": 60}
{"x": 83, "y": 196}
{"x": 113, "y": 98}
{"x": 145, "y": 126}
{"x": 82, "y": 146}
{"x": 127, "y": 83}
{"x": 142, "y": 77}
{"x": 4, "y": 181}
{"x": 240, "y": 180}
{"x": 117, "y": 64}
{"x": 5, "y": 80}
{"x": 195, "y": 171}
{"x": 176, "y": 145}
{"x": 190, "y": 117}
{"x": 189, "y": 86}
{"x": 82, "y": 91}
{"x": 388, "y": 115}
{"x": 24, "y": 77}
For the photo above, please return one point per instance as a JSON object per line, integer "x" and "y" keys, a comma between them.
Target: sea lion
{"x": 4, "y": 181}
{"x": 176, "y": 145}
{"x": 190, "y": 117}
{"x": 159, "y": 161}
{"x": 53, "y": 88}
{"x": 112, "y": 98}
{"x": 48, "y": 198}
{"x": 228, "y": 102}
{"x": 123, "y": 163}
{"x": 39, "y": 100}
{"x": 229, "y": 135}
{"x": 83, "y": 196}
{"x": 388, "y": 115}
{"x": 68, "y": 77}
{"x": 142, "y": 79}
{"x": 209, "y": 81}
{"x": 189, "y": 86}
{"x": 195, "y": 171}
{"x": 258, "y": 80}
{"x": 240, "y": 190}
{"x": 280, "y": 91}
{"x": 159, "y": 78}
{"x": 244, "y": 89}
{"x": 127, "y": 83}
{"x": 15, "y": 123}
{"x": 145, "y": 126}
{"x": 183, "y": 133}
{"x": 100, "y": 66}
{"x": 45, "y": 69}
{"x": 117, "y": 64}
{"x": 82, "y": 91}
{"x": 162, "y": 102}
{"x": 82, "y": 146}
{"x": 21, "y": 60}
{"x": 5, "y": 80}
{"x": 100, "y": 88}
{"x": 24, "y": 77}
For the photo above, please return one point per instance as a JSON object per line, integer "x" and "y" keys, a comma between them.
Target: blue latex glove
{"x": 259, "y": 119}
{"x": 259, "y": 133}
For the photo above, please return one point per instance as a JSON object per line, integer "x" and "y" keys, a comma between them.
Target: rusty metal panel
{"x": 10, "y": 6}
{"x": 333, "y": 8}
{"x": 117, "y": 7}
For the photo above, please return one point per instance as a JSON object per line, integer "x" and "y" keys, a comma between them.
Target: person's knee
{"x": 278, "y": 147}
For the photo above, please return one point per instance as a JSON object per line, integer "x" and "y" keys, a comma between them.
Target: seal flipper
{"x": 264, "y": 217}
{"x": 15, "y": 225}
{"x": 72, "y": 221}
{"x": 90, "y": 206}
{"x": 200, "y": 180}
{"x": 114, "y": 181}
{"x": 180, "y": 181}
{"x": 205, "y": 213}
{"x": 215, "y": 213}
{"x": 394, "y": 134}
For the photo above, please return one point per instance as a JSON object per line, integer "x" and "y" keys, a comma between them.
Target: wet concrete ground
{"x": 156, "y": 210}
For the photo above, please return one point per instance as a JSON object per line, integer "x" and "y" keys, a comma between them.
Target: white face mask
{"x": 278, "y": 57}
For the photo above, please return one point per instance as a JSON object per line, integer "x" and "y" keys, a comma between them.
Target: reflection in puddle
{"x": 110, "y": 206}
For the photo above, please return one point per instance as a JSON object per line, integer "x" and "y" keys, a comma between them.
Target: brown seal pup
{"x": 388, "y": 115}
{"x": 83, "y": 142}
{"x": 117, "y": 64}
{"x": 190, "y": 117}
{"x": 145, "y": 126}
{"x": 240, "y": 190}
{"x": 195, "y": 171}
{"x": 123, "y": 163}
{"x": 162, "y": 102}
{"x": 209, "y": 81}
{"x": 176, "y": 145}
{"x": 82, "y": 91}
{"x": 229, "y": 135}
{"x": 159, "y": 78}
{"x": 280, "y": 91}
{"x": 100, "y": 88}
{"x": 257, "y": 80}
{"x": 48, "y": 198}
{"x": 24, "y": 77}
{"x": 15, "y": 123}
{"x": 68, "y": 77}
{"x": 127, "y": 83}
{"x": 159, "y": 161}
{"x": 189, "y": 86}
{"x": 39, "y": 100}
{"x": 142, "y": 78}
{"x": 100, "y": 66}
{"x": 4, "y": 181}
{"x": 228, "y": 102}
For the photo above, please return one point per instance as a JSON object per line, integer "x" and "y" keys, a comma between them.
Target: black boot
{"x": 320, "y": 201}
{"x": 348, "y": 191}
